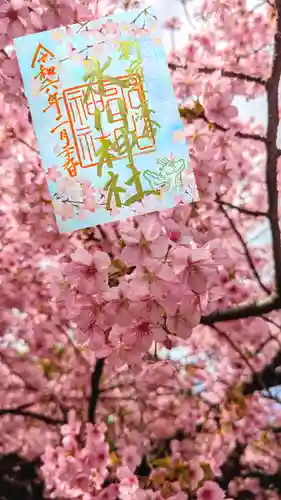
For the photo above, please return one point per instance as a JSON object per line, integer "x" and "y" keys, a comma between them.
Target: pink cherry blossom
{"x": 140, "y": 360}
{"x": 13, "y": 18}
{"x": 84, "y": 265}
{"x": 143, "y": 241}
{"x": 53, "y": 174}
{"x": 217, "y": 103}
{"x": 210, "y": 491}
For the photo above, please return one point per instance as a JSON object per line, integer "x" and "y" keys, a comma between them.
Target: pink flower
{"x": 88, "y": 272}
{"x": 53, "y": 174}
{"x": 185, "y": 318}
{"x": 119, "y": 299}
{"x": 143, "y": 241}
{"x": 156, "y": 278}
{"x": 187, "y": 82}
{"x": 130, "y": 457}
{"x": 173, "y": 23}
{"x": 73, "y": 427}
{"x": 210, "y": 491}
{"x": 64, "y": 209}
{"x": 217, "y": 103}
{"x": 13, "y": 16}
{"x": 195, "y": 474}
{"x": 90, "y": 203}
{"x": 196, "y": 264}
{"x": 128, "y": 483}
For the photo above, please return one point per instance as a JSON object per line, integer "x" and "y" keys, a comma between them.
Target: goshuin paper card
{"x": 110, "y": 136}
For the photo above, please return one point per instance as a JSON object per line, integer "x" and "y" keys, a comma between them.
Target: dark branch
{"x": 31, "y": 414}
{"x": 244, "y": 246}
{"x": 234, "y": 74}
{"x": 186, "y": 112}
{"x": 242, "y": 210}
{"x": 231, "y": 467}
{"x": 255, "y": 309}
{"x": 271, "y": 149}
{"x": 268, "y": 377}
{"x": 227, "y": 74}
{"x": 241, "y": 135}
{"x": 95, "y": 390}
{"x": 272, "y": 303}
{"x": 267, "y": 481}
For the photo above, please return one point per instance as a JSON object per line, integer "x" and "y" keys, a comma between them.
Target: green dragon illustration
{"x": 169, "y": 175}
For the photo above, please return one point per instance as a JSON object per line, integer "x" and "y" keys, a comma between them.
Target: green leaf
{"x": 87, "y": 93}
{"x": 97, "y": 68}
{"x": 121, "y": 83}
{"x": 101, "y": 87}
{"x": 98, "y": 119}
{"x": 155, "y": 123}
{"x": 109, "y": 114}
{"x": 126, "y": 49}
{"x": 134, "y": 139}
{"x": 107, "y": 64}
{"x": 122, "y": 107}
{"x": 100, "y": 165}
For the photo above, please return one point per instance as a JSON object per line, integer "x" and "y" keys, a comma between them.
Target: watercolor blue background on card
{"x": 68, "y": 137}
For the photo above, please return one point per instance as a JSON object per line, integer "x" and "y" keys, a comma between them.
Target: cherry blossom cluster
{"x": 190, "y": 400}
{"x": 153, "y": 290}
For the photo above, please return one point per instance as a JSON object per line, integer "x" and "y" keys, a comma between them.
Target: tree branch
{"x": 271, "y": 149}
{"x": 241, "y": 135}
{"x": 186, "y": 112}
{"x": 95, "y": 390}
{"x": 254, "y": 309}
{"x": 272, "y": 303}
{"x": 242, "y": 210}
{"x": 235, "y": 347}
{"x": 268, "y": 377}
{"x": 244, "y": 246}
{"x": 231, "y": 467}
{"x": 31, "y": 414}
{"x": 226, "y": 73}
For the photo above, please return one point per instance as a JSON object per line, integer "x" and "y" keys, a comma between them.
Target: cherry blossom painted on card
{"x": 110, "y": 136}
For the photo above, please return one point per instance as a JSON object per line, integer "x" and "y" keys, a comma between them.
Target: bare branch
{"x": 235, "y": 347}
{"x": 244, "y": 246}
{"x": 254, "y": 309}
{"x": 241, "y": 135}
{"x": 268, "y": 377}
{"x": 20, "y": 139}
{"x": 272, "y": 151}
{"x": 186, "y": 112}
{"x": 30, "y": 414}
{"x": 226, "y": 73}
{"x": 95, "y": 390}
{"x": 242, "y": 210}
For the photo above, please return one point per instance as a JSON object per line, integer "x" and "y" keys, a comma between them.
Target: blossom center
{"x": 12, "y": 14}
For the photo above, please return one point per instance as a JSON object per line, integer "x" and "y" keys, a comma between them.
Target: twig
{"x": 242, "y": 210}
{"x": 228, "y": 74}
{"x": 31, "y": 414}
{"x": 186, "y": 13}
{"x": 243, "y": 356}
{"x": 244, "y": 245}
{"x": 234, "y": 347}
{"x": 268, "y": 377}
{"x": 27, "y": 145}
{"x": 145, "y": 12}
{"x": 95, "y": 391}
{"x": 242, "y": 135}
